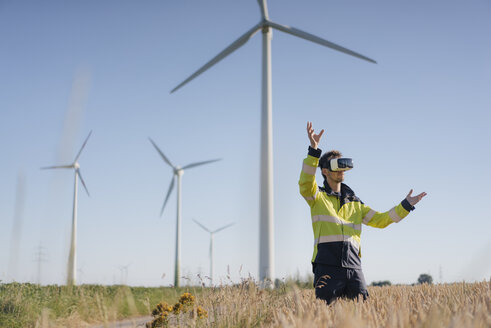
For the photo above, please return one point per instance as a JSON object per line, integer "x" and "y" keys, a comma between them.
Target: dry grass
{"x": 447, "y": 305}
{"x": 247, "y": 305}
{"x": 452, "y": 305}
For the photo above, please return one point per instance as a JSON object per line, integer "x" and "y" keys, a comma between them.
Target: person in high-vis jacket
{"x": 337, "y": 218}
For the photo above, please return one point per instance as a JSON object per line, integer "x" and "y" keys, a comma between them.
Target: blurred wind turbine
{"x": 72, "y": 257}
{"x": 124, "y": 273}
{"x": 266, "y": 240}
{"x": 211, "y": 244}
{"x": 81, "y": 274}
{"x": 15, "y": 241}
{"x": 178, "y": 172}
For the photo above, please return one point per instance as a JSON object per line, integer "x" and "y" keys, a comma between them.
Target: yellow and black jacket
{"x": 337, "y": 217}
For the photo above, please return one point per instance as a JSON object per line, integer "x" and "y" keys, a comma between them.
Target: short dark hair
{"x": 324, "y": 160}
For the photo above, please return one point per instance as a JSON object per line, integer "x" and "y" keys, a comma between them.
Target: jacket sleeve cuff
{"x": 408, "y": 207}
{"x": 315, "y": 152}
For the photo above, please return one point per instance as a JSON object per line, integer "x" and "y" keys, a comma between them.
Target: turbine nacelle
{"x": 265, "y": 27}
{"x": 74, "y": 165}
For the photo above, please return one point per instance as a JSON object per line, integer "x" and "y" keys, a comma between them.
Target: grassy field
{"x": 29, "y": 305}
{"x": 246, "y": 305}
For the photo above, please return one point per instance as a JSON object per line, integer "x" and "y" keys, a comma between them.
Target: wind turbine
{"x": 178, "y": 172}
{"x": 266, "y": 241}
{"x": 72, "y": 257}
{"x": 81, "y": 274}
{"x": 16, "y": 235}
{"x": 211, "y": 244}
{"x": 124, "y": 273}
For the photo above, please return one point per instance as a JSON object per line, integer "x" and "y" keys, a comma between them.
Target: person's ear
{"x": 325, "y": 171}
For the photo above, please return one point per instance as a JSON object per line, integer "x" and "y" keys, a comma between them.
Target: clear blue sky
{"x": 418, "y": 119}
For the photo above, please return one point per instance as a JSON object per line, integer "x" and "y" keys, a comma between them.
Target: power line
{"x": 40, "y": 257}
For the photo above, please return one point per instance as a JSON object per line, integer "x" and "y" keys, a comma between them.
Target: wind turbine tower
{"x": 16, "y": 235}
{"x": 124, "y": 273}
{"x": 72, "y": 257}
{"x": 178, "y": 172}
{"x": 211, "y": 244}
{"x": 265, "y": 25}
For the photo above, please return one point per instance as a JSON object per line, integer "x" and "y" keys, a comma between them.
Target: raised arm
{"x": 395, "y": 214}
{"x": 307, "y": 184}
{"x": 314, "y": 138}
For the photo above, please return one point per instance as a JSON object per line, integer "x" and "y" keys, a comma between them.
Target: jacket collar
{"x": 347, "y": 194}
{"x": 345, "y": 190}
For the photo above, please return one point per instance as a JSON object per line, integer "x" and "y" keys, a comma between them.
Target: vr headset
{"x": 340, "y": 164}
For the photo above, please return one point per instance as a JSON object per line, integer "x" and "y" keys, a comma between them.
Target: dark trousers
{"x": 331, "y": 282}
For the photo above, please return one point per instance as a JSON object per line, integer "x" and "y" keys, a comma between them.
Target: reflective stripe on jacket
{"x": 337, "y": 218}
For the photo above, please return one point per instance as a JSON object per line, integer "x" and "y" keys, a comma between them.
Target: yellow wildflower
{"x": 177, "y": 308}
{"x": 186, "y": 299}
{"x": 202, "y": 313}
{"x": 159, "y": 321}
{"x": 161, "y": 308}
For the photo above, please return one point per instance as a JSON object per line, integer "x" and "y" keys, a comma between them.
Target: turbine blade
{"x": 74, "y": 113}
{"x": 316, "y": 39}
{"x": 227, "y": 51}
{"x": 80, "y": 151}
{"x": 201, "y": 163}
{"x": 162, "y": 154}
{"x": 202, "y": 226}
{"x": 83, "y": 183}
{"x": 57, "y": 167}
{"x": 224, "y": 227}
{"x": 264, "y": 9}
{"x": 168, "y": 194}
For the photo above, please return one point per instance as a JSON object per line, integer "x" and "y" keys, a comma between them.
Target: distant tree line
{"x": 423, "y": 278}
{"x": 381, "y": 283}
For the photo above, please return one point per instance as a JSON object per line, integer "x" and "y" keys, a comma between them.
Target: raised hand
{"x": 314, "y": 138}
{"x": 413, "y": 200}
